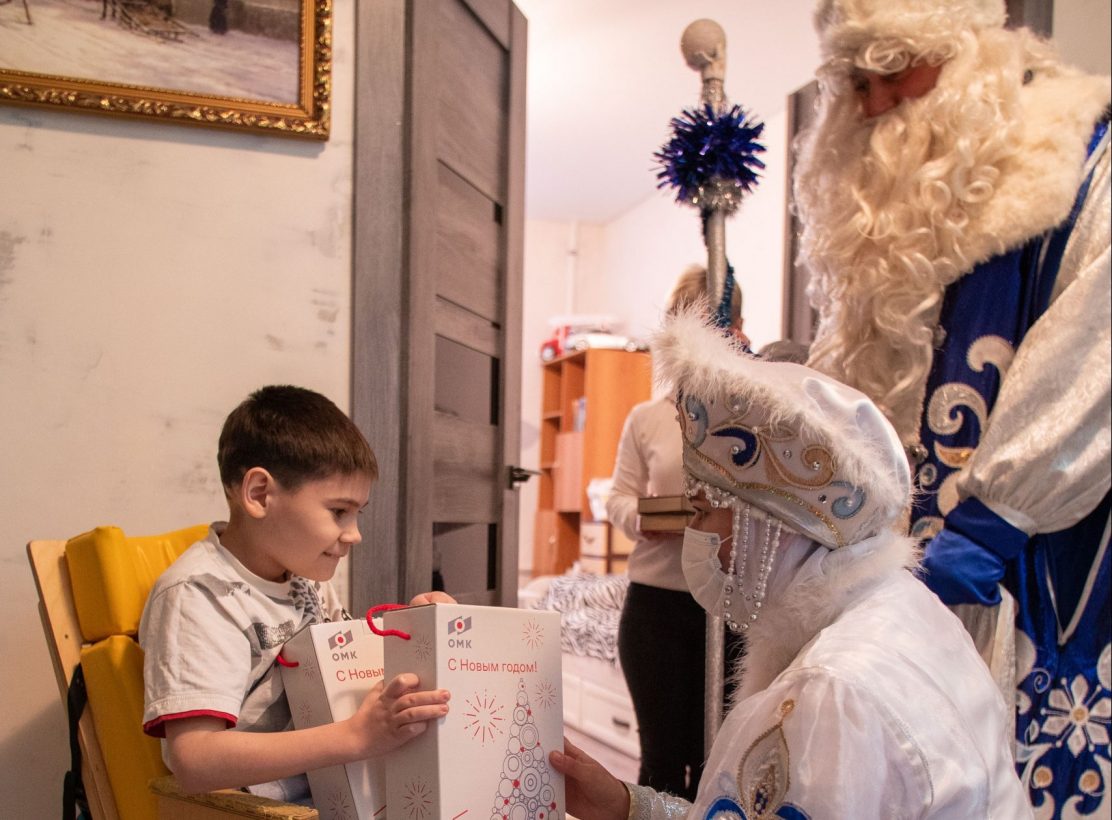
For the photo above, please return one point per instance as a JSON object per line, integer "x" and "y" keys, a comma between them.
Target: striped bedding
{"x": 591, "y": 606}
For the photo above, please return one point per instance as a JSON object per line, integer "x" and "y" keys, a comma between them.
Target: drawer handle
{"x": 621, "y": 724}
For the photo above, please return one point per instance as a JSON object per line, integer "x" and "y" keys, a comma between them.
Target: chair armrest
{"x": 174, "y": 804}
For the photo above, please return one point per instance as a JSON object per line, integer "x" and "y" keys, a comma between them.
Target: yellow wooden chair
{"x": 91, "y": 594}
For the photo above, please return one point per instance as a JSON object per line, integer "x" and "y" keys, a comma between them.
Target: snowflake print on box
{"x": 525, "y": 790}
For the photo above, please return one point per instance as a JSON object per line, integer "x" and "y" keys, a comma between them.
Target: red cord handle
{"x": 288, "y": 664}
{"x": 386, "y": 633}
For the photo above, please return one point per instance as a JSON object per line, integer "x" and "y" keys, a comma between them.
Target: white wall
{"x": 1081, "y": 33}
{"x": 150, "y": 277}
{"x": 553, "y": 252}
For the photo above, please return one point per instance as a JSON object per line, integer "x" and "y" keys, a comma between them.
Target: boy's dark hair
{"x": 294, "y": 434}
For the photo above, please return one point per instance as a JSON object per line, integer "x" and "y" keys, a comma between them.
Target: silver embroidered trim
{"x": 648, "y": 804}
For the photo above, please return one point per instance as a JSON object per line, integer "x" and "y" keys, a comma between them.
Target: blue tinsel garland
{"x": 711, "y": 159}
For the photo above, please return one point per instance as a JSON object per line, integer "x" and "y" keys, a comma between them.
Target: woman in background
{"x": 662, "y": 633}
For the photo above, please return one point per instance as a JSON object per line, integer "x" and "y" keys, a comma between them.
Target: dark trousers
{"x": 662, "y": 646}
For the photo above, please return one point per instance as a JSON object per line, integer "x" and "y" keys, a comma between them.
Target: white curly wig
{"x": 896, "y": 208}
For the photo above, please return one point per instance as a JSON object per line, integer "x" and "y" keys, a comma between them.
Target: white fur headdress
{"x": 846, "y": 26}
{"x": 800, "y": 446}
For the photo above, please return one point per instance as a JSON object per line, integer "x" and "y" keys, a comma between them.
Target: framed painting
{"x": 252, "y": 65}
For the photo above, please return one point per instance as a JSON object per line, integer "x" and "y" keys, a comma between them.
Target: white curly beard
{"x": 896, "y": 208}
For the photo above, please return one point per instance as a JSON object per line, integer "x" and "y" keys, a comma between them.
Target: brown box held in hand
{"x": 665, "y": 522}
{"x": 664, "y": 504}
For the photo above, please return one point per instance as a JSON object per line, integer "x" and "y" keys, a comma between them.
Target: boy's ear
{"x": 256, "y": 492}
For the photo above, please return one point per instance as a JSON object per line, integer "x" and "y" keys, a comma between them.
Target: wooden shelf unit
{"x": 611, "y": 382}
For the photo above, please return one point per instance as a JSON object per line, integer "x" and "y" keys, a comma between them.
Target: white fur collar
{"x": 1038, "y": 184}
{"x": 826, "y": 585}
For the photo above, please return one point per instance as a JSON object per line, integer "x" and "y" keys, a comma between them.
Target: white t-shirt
{"x": 211, "y": 631}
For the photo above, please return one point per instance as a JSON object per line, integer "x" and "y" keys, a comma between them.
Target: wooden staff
{"x": 703, "y": 44}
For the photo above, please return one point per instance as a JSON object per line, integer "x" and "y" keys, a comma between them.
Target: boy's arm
{"x": 205, "y": 755}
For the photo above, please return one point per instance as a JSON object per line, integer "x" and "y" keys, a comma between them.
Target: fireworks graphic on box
{"x": 546, "y": 694}
{"x": 423, "y": 649}
{"x": 484, "y": 717}
{"x": 532, "y": 633}
{"x": 525, "y": 790}
{"x": 339, "y": 807}
{"x": 417, "y": 801}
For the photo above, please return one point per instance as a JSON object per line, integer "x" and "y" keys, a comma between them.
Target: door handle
{"x": 518, "y": 475}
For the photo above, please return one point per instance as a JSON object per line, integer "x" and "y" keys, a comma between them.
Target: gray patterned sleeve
{"x": 648, "y": 804}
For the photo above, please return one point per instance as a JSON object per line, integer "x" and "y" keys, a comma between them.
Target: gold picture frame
{"x": 257, "y": 75}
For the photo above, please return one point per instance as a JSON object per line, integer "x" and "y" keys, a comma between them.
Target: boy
{"x": 296, "y": 472}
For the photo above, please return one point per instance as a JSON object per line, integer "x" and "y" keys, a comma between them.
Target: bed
{"x": 598, "y": 714}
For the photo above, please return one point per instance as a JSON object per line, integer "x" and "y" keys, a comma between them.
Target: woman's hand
{"x": 592, "y": 793}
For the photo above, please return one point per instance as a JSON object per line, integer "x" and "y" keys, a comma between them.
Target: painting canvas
{"x": 248, "y": 64}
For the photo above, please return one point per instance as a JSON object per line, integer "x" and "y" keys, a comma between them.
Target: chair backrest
{"x": 92, "y": 589}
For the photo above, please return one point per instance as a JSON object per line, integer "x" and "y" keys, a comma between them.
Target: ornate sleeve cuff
{"x": 648, "y": 804}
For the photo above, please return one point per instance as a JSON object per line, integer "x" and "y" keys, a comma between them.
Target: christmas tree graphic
{"x": 525, "y": 790}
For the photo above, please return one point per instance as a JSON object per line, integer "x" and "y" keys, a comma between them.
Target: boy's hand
{"x": 394, "y": 713}
{"x": 434, "y": 597}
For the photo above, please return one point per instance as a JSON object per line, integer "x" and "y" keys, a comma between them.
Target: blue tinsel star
{"x": 707, "y": 149}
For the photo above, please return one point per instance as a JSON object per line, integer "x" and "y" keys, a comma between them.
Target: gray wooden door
{"x": 437, "y": 295}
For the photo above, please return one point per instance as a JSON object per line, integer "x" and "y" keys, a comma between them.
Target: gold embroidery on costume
{"x": 942, "y": 411}
{"x": 956, "y": 457}
{"x": 945, "y": 418}
{"x": 690, "y": 449}
{"x": 764, "y": 774}
{"x": 818, "y": 460}
{"x": 986, "y": 350}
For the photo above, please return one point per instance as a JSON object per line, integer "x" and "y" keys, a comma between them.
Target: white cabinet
{"x": 609, "y": 717}
{"x": 596, "y": 702}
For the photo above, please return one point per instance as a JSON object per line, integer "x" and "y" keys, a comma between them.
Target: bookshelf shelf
{"x": 586, "y": 397}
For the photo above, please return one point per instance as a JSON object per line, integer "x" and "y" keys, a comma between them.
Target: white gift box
{"x": 487, "y": 759}
{"x": 332, "y": 668}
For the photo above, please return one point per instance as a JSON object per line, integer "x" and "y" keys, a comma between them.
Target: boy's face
{"x": 308, "y": 530}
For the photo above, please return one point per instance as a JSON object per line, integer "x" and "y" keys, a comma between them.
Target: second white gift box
{"x": 487, "y": 759}
{"x": 328, "y": 670}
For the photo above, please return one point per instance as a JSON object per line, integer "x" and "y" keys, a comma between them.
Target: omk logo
{"x": 340, "y": 639}
{"x": 457, "y": 626}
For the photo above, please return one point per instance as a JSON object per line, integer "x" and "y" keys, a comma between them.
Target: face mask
{"x": 768, "y": 561}
{"x": 713, "y": 589}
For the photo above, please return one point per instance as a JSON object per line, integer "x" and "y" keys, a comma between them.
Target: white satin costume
{"x": 861, "y": 696}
